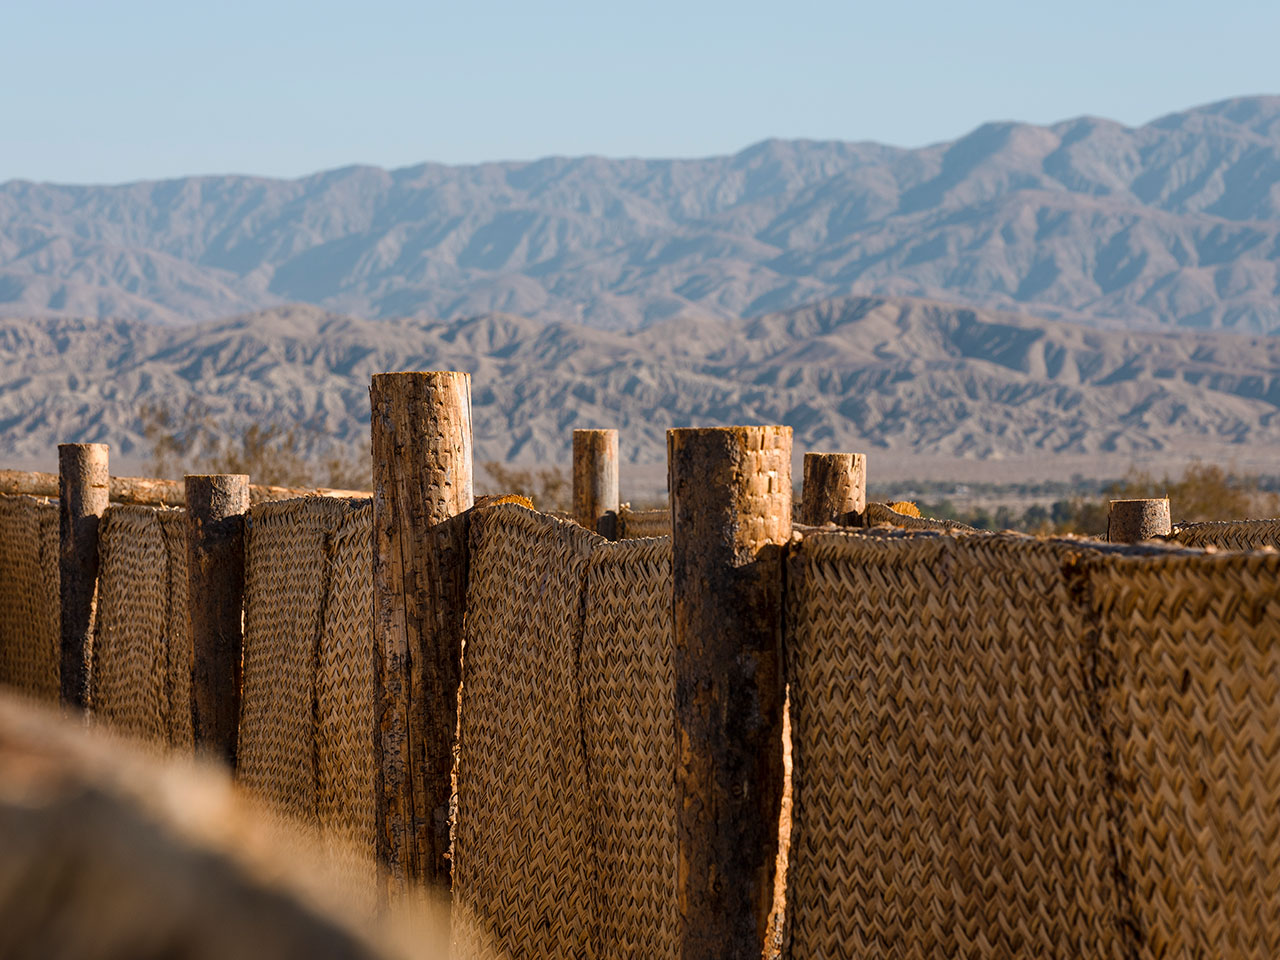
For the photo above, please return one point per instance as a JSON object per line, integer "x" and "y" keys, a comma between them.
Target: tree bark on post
{"x": 595, "y": 481}
{"x": 216, "y": 508}
{"x": 83, "y": 494}
{"x": 422, "y": 484}
{"x": 730, "y": 492}
{"x": 1132, "y": 521}
{"x": 835, "y": 488}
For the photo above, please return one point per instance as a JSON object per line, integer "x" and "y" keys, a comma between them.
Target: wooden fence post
{"x": 595, "y": 480}
{"x": 730, "y": 490}
{"x": 84, "y": 486}
{"x": 216, "y": 508}
{"x": 835, "y": 486}
{"x": 1132, "y": 521}
{"x": 422, "y": 484}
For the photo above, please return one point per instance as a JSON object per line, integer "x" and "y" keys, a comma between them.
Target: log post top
{"x": 216, "y": 494}
{"x": 1136, "y": 520}
{"x": 741, "y": 473}
{"x": 835, "y": 488}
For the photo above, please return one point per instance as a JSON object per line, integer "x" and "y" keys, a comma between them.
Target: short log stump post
{"x": 1133, "y": 521}
{"x": 835, "y": 488}
{"x": 84, "y": 490}
{"x": 216, "y": 508}
{"x": 595, "y": 481}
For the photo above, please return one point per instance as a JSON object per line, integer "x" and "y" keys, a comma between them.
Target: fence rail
{"x": 1001, "y": 745}
{"x": 152, "y": 492}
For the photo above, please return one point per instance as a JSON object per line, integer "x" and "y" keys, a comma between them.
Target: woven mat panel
{"x": 286, "y": 583}
{"x": 174, "y": 525}
{"x": 522, "y": 839}
{"x": 1228, "y": 534}
{"x": 30, "y": 612}
{"x": 130, "y": 682}
{"x": 628, "y": 700}
{"x": 948, "y": 781}
{"x": 1191, "y": 665}
{"x": 345, "y": 713}
{"x": 878, "y": 513}
{"x": 635, "y": 524}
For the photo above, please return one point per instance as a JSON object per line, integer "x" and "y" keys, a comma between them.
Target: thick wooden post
{"x": 421, "y": 441}
{"x": 835, "y": 488}
{"x": 1132, "y": 521}
{"x": 84, "y": 486}
{"x": 216, "y": 508}
{"x": 595, "y": 480}
{"x": 730, "y": 492}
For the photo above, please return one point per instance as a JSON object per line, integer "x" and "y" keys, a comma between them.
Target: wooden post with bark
{"x": 835, "y": 488}
{"x": 730, "y": 490}
{"x": 83, "y": 494}
{"x": 216, "y": 508}
{"x": 595, "y": 481}
{"x": 1133, "y": 521}
{"x": 422, "y": 484}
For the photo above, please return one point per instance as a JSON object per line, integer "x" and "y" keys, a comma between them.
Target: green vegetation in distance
{"x": 1203, "y": 492}
{"x": 189, "y": 440}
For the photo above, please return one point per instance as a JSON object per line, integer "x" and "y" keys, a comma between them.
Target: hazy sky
{"x": 104, "y": 92}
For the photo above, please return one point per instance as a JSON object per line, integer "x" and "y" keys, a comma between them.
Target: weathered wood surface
{"x": 1133, "y": 521}
{"x": 216, "y": 508}
{"x": 835, "y": 488}
{"x": 595, "y": 481}
{"x": 731, "y": 512}
{"x": 152, "y": 492}
{"x": 82, "y": 497}
{"x": 422, "y": 471}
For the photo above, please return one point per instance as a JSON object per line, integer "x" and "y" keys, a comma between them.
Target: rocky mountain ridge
{"x": 883, "y": 375}
{"x": 1175, "y": 223}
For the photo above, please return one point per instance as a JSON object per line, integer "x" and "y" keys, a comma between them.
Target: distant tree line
{"x": 1203, "y": 492}
{"x": 190, "y": 439}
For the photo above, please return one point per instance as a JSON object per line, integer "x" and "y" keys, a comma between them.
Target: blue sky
{"x": 108, "y": 92}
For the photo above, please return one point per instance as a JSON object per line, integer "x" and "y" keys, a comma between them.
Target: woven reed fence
{"x": 1010, "y": 747}
{"x": 307, "y": 714}
{"x": 879, "y": 514}
{"x": 1229, "y": 534}
{"x": 565, "y": 844}
{"x": 1002, "y": 746}
{"x": 636, "y": 524}
{"x": 29, "y": 617}
{"x": 141, "y": 673}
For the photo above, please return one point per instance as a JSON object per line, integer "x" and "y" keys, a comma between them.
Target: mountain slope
{"x": 1176, "y": 222}
{"x": 886, "y": 376}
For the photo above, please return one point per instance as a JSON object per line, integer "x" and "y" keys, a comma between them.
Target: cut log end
{"x": 1133, "y": 521}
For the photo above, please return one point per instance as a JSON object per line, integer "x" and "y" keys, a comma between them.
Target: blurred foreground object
{"x": 105, "y": 853}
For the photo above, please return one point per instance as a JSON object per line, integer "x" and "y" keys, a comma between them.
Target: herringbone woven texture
{"x": 287, "y": 575}
{"x": 522, "y": 840}
{"x": 181, "y": 735}
{"x": 30, "y": 615}
{"x": 140, "y": 640}
{"x": 628, "y": 693}
{"x": 949, "y": 788}
{"x": 878, "y": 513}
{"x": 345, "y": 718}
{"x": 634, "y": 524}
{"x": 1228, "y": 534}
{"x": 1190, "y": 667}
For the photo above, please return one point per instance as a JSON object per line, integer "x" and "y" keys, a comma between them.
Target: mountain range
{"x": 1175, "y": 223}
{"x": 893, "y": 377}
